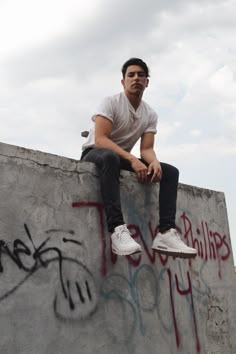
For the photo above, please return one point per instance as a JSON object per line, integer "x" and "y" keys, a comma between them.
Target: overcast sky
{"x": 59, "y": 58}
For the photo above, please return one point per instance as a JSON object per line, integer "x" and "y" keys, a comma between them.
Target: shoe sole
{"x": 125, "y": 253}
{"x": 175, "y": 254}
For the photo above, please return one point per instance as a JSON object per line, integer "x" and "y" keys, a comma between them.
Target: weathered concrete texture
{"x": 62, "y": 290}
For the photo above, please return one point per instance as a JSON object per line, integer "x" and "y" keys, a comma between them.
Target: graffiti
{"x": 122, "y": 291}
{"x": 151, "y": 286}
{"x": 75, "y": 300}
{"x": 212, "y": 246}
{"x": 134, "y": 295}
{"x": 128, "y": 294}
{"x": 99, "y": 208}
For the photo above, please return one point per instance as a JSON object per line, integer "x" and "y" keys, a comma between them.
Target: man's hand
{"x": 140, "y": 169}
{"x": 150, "y": 174}
{"x": 154, "y": 172}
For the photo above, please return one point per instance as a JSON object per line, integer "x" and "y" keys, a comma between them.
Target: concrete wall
{"x": 63, "y": 291}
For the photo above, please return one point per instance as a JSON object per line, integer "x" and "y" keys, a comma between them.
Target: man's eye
{"x": 141, "y": 74}
{"x": 131, "y": 74}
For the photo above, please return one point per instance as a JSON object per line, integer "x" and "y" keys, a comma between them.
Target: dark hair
{"x": 135, "y": 61}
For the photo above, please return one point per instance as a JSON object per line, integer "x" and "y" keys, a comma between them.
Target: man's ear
{"x": 123, "y": 82}
{"x": 147, "y": 83}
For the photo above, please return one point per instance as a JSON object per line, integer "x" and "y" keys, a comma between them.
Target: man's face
{"x": 135, "y": 80}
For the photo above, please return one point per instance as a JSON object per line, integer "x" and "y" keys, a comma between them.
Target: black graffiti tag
{"x": 77, "y": 298}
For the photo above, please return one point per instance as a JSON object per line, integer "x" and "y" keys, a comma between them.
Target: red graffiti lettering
{"x": 210, "y": 245}
{"x": 99, "y": 208}
{"x": 185, "y": 292}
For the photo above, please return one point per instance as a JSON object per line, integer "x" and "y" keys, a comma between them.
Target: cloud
{"x": 117, "y": 30}
{"x": 57, "y": 64}
{"x": 195, "y": 132}
{"x": 26, "y": 23}
{"x": 67, "y": 74}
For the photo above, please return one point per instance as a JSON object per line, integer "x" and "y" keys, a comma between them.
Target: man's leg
{"x": 168, "y": 197}
{"x": 108, "y": 165}
{"x": 168, "y": 240}
{"x": 167, "y": 193}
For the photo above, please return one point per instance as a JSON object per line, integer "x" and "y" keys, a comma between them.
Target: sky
{"x": 60, "y": 58}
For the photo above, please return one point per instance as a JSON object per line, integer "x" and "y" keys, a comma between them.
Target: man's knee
{"x": 170, "y": 170}
{"x": 108, "y": 157}
{"x": 174, "y": 171}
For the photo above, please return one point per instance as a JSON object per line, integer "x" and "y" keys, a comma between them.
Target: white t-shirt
{"x": 128, "y": 125}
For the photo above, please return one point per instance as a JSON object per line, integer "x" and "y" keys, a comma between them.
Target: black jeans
{"x": 109, "y": 165}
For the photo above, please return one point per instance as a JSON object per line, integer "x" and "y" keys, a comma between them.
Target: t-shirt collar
{"x": 136, "y": 113}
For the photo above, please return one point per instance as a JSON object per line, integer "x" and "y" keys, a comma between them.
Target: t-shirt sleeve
{"x": 152, "y": 124}
{"x": 105, "y": 109}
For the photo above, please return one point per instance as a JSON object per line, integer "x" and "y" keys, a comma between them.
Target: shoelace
{"x": 180, "y": 239}
{"x": 178, "y": 236}
{"x": 123, "y": 231}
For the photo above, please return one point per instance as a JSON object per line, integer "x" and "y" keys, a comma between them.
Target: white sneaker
{"x": 171, "y": 244}
{"x": 122, "y": 242}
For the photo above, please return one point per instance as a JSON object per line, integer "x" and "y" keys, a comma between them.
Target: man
{"x": 119, "y": 122}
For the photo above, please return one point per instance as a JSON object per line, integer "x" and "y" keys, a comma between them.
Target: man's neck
{"x": 134, "y": 99}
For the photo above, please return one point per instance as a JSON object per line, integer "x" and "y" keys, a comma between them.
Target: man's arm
{"x": 103, "y": 129}
{"x": 148, "y": 154}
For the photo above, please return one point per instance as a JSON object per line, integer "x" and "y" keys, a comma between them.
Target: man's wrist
{"x": 155, "y": 160}
{"x": 131, "y": 158}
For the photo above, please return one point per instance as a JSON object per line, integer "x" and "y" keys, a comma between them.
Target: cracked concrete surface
{"x": 63, "y": 291}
